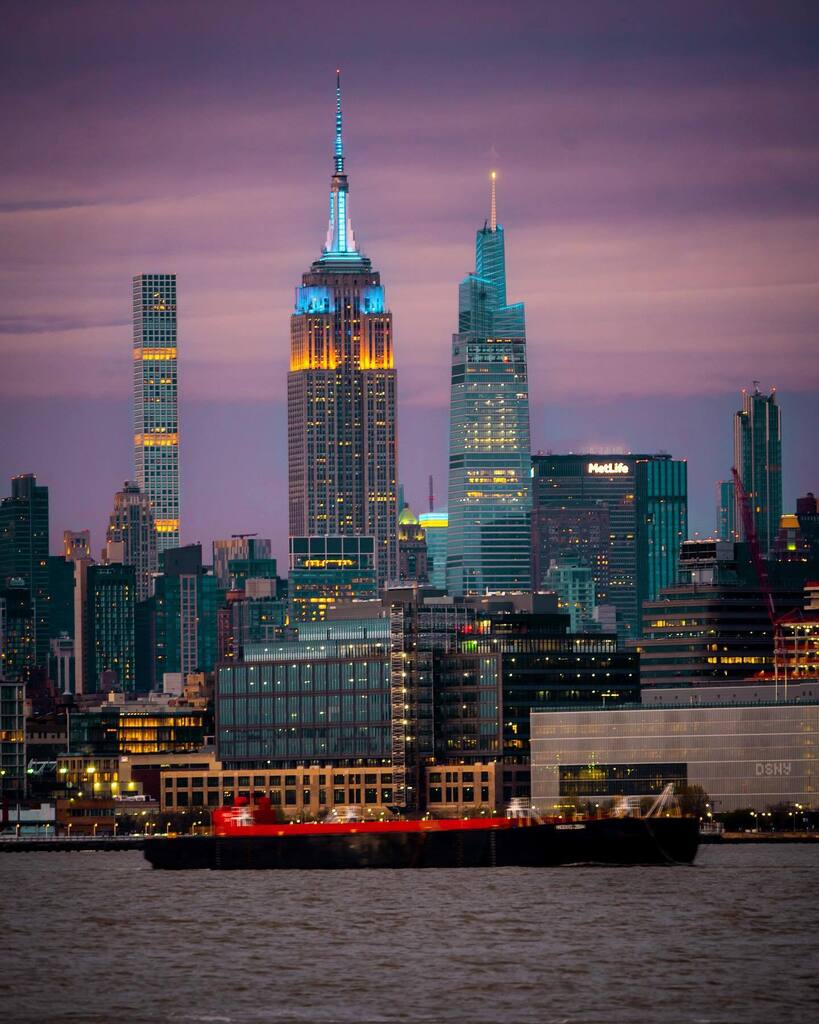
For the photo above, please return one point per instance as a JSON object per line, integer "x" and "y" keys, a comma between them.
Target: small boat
{"x": 251, "y": 838}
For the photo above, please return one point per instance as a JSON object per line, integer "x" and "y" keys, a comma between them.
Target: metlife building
{"x": 646, "y": 497}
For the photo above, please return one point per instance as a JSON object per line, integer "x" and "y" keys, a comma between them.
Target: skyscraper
{"x": 726, "y": 510}
{"x": 132, "y": 525}
{"x": 758, "y": 459}
{"x": 156, "y": 420}
{"x": 24, "y": 552}
{"x": 108, "y": 627}
{"x": 244, "y": 548}
{"x": 647, "y": 504}
{"x": 488, "y": 539}
{"x": 341, "y": 392}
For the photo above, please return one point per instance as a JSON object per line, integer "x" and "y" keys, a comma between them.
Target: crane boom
{"x": 749, "y": 529}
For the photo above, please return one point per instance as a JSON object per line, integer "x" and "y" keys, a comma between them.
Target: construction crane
{"x": 749, "y": 529}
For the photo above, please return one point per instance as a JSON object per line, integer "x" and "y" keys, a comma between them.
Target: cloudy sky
{"x": 658, "y": 168}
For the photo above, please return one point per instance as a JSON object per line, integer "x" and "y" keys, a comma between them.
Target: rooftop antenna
{"x": 493, "y": 206}
{"x": 431, "y": 494}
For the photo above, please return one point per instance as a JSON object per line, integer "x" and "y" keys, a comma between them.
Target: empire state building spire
{"x": 340, "y": 244}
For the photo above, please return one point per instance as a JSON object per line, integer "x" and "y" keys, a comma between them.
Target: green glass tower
{"x": 488, "y": 537}
{"x": 758, "y": 459}
{"x": 24, "y": 552}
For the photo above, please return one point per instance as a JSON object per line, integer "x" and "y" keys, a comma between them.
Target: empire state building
{"x": 341, "y": 392}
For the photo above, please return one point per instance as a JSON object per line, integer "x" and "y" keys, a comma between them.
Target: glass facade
{"x": 122, "y": 730}
{"x": 646, "y": 501}
{"x": 332, "y": 703}
{"x": 758, "y": 459}
{"x": 326, "y": 571}
{"x": 238, "y": 558}
{"x": 24, "y": 552}
{"x": 488, "y": 536}
{"x": 186, "y": 616}
{"x": 726, "y": 511}
{"x": 743, "y": 755}
{"x": 12, "y": 740}
{"x": 435, "y": 530}
{"x": 156, "y": 415}
{"x": 108, "y": 631}
{"x": 662, "y": 523}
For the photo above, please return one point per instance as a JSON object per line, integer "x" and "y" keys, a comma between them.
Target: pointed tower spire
{"x": 339, "y": 154}
{"x": 340, "y": 244}
{"x": 493, "y": 206}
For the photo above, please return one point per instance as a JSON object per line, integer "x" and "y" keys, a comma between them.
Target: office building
{"x": 575, "y": 533}
{"x": 509, "y": 664}
{"x": 24, "y": 552}
{"x": 756, "y": 755}
{"x": 156, "y": 414}
{"x": 17, "y": 649}
{"x": 136, "y": 727}
{"x": 132, "y": 525}
{"x": 726, "y": 511}
{"x": 758, "y": 460}
{"x": 434, "y": 525}
{"x": 254, "y": 615}
{"x": 61, "y": 595}
{"x": 662, "y": 523}
{"x": 76, "y": 544}
{"x": 413, "y": 561}
{"x": 807, "y": 512}
{"x": 252, "y": 558}
{"x": 327, "y": 571}
{"x": 303, "y": 702}
{"x": 574, "y": 585}
{"x": 488, "y": 536}
{"x": 12, "y": 740}
{"x": 646, "y": 501}
{"x": 713, "y": 627}
{"x": 107, "y": 628}
{"x": 187, "y": 602}
{"x": 342, "y": 451}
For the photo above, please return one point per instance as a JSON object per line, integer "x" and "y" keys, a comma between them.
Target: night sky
{"x": 658, "y": 168}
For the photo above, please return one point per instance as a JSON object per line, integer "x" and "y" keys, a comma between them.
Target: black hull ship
{"x": 240, "y": 841}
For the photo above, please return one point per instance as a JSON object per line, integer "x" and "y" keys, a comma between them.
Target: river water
{"x": 101, "y": 938}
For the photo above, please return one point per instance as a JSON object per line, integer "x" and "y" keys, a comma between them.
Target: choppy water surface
{"x": 95, "y": 938}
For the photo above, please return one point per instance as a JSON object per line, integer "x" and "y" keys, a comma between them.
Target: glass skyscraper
{"x": 156, "y": 419}
{"x": 488, "y": 537}
{"x": 646, "y": 499}
{"x": 341, "y": 392}
{"x": 758, "y": 459}
{"x": 24, "y": 552}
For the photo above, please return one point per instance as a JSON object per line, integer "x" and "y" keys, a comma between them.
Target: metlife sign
{"x": 608, "y": 468}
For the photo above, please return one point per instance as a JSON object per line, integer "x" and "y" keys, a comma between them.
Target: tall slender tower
{"x": 156, "y": 418}
{"x": 758, "y": 459}
{"x": 341, "y": 392}
{"x": 488, "y": 543}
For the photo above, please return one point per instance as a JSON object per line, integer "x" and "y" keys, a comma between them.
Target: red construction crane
{"x": 749, "y": 529}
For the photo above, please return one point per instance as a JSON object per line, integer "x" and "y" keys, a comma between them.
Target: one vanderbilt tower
{"x": 341, "y": 391}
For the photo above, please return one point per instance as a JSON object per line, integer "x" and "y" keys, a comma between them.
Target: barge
{"x": 245, "y": 838}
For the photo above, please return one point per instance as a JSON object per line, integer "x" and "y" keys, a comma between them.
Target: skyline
{"x": 667, "y": 199}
